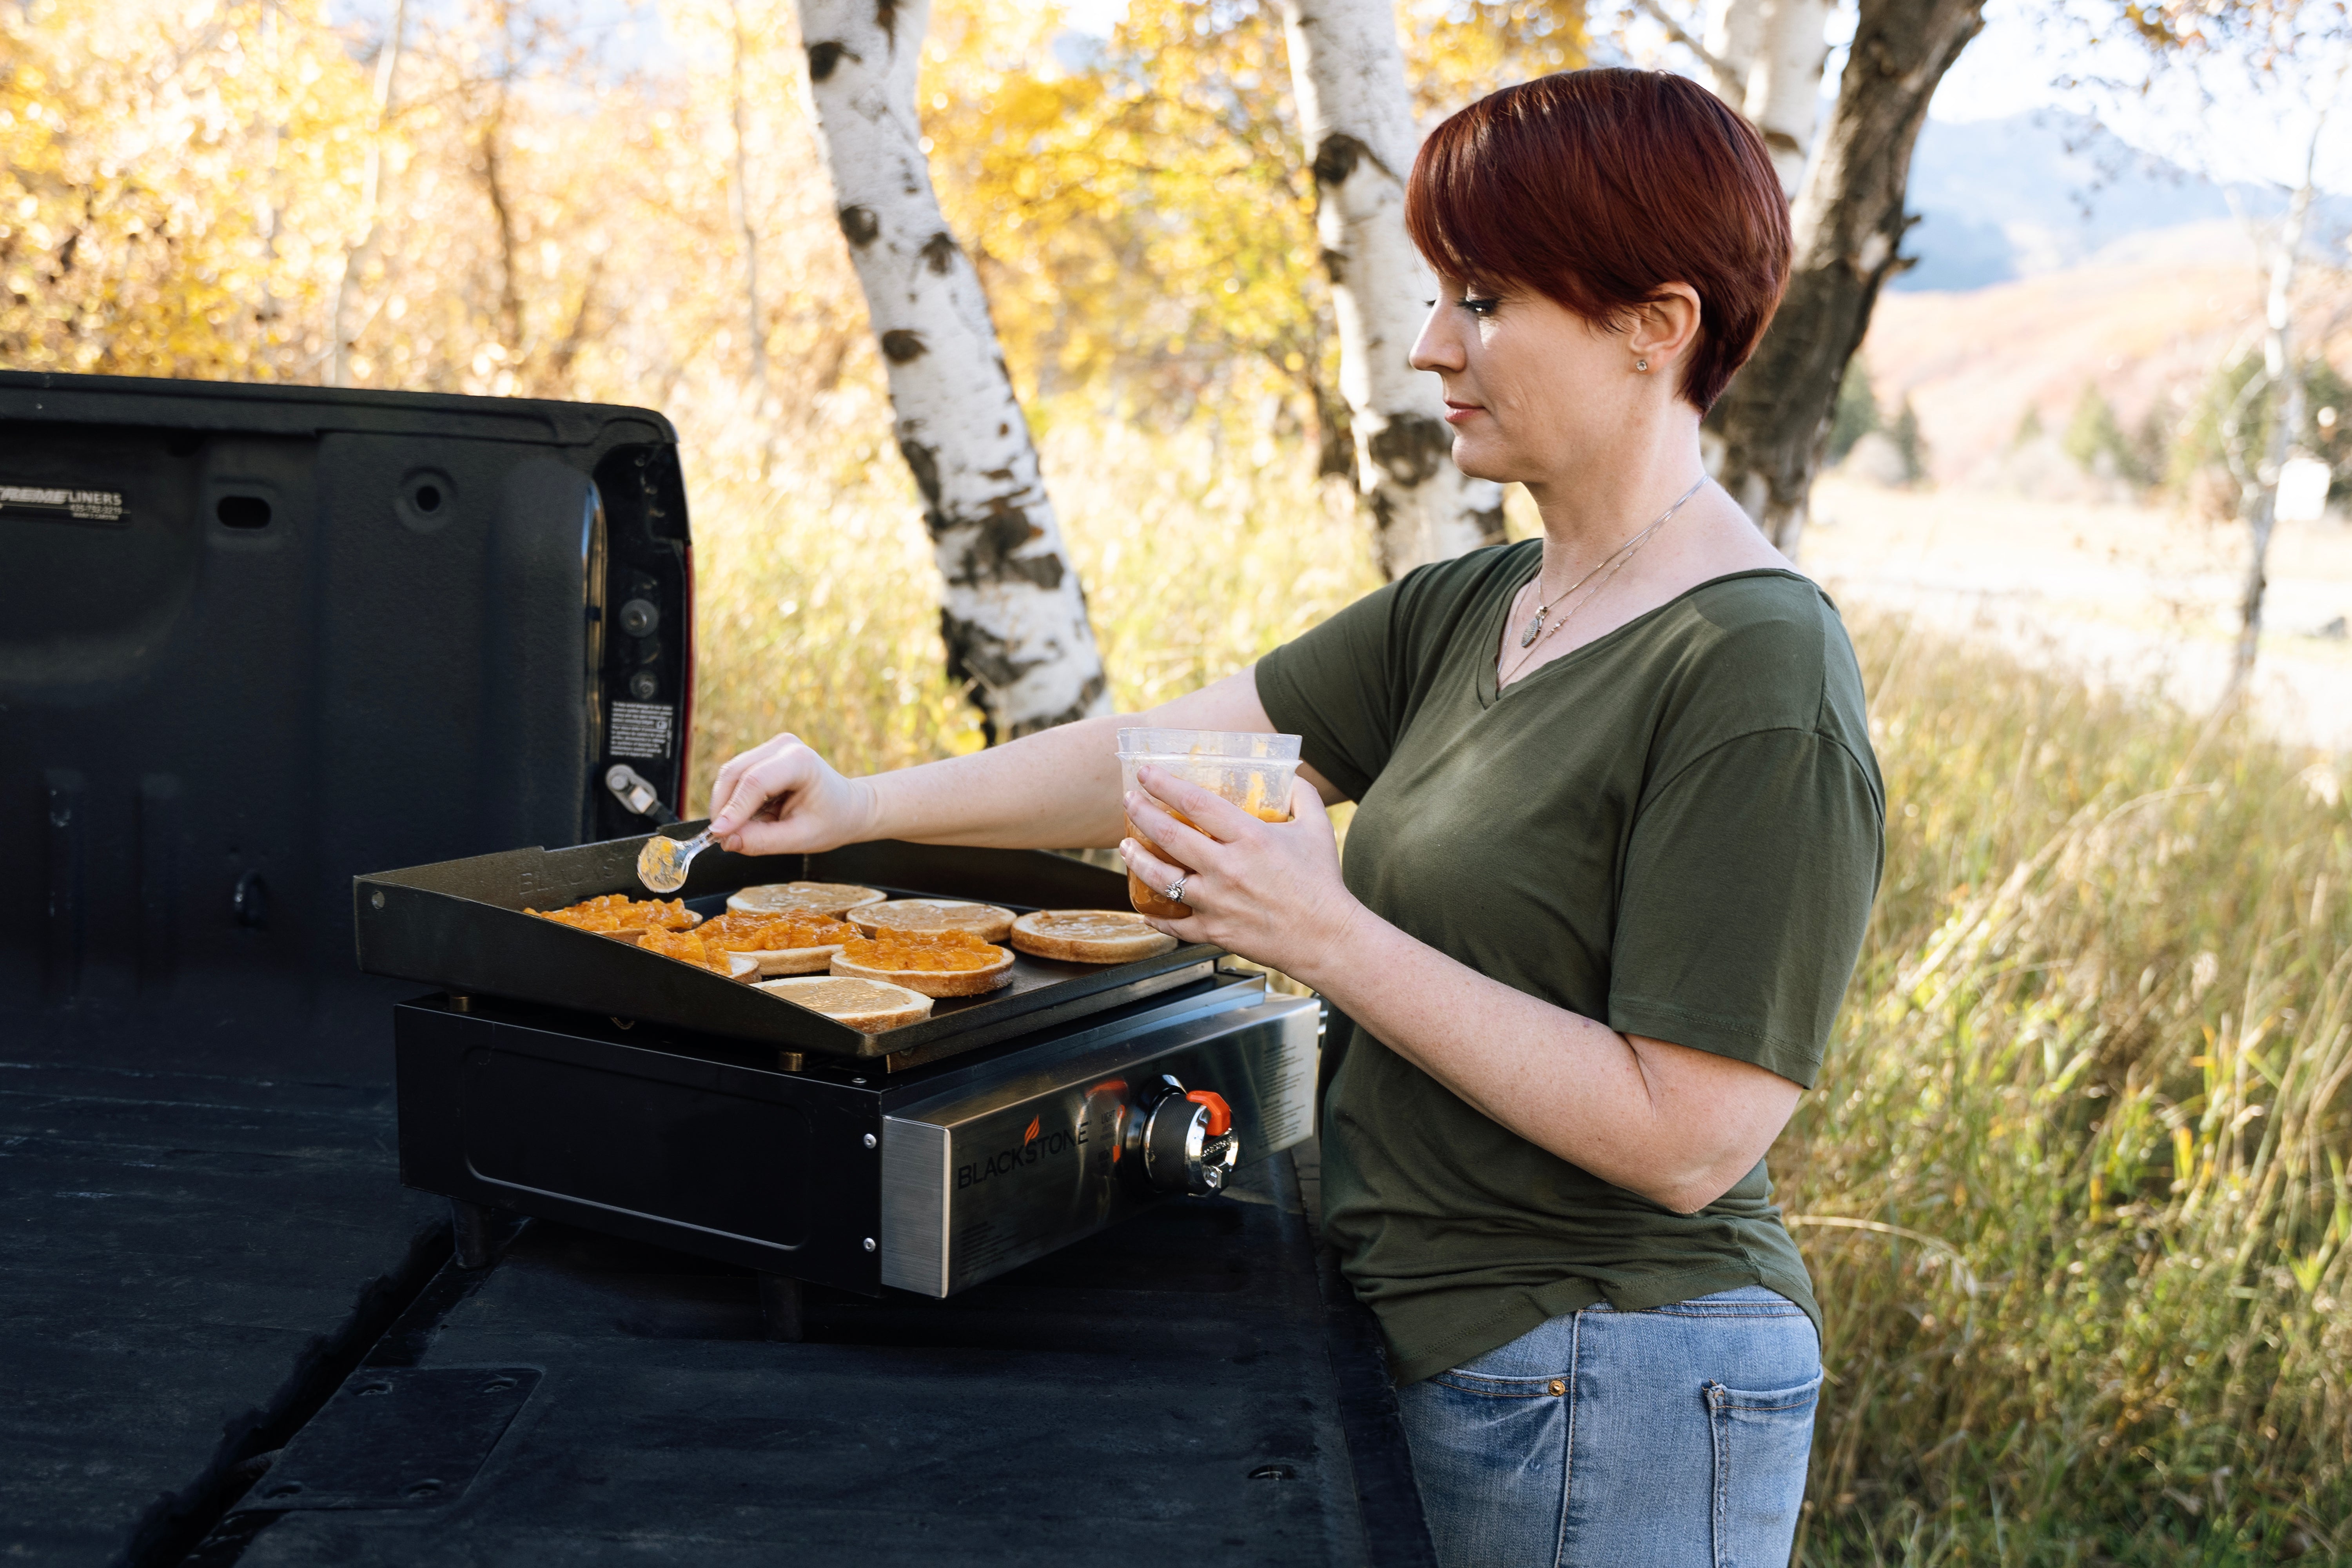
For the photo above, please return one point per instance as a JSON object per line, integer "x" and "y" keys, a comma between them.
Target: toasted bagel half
{"x": 1087, "y": 936}
{"x": 926, "y": 916}
{"x": 803, "y": 898}
{"x": 868, "y": 1006}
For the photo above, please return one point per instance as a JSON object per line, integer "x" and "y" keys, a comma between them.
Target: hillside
{"x": 2147, "y": 319}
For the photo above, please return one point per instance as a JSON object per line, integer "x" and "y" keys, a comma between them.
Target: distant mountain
{"x": 2001, "y": 199}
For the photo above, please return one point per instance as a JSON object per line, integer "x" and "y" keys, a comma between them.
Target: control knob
{"x": 1188, "y": 1142}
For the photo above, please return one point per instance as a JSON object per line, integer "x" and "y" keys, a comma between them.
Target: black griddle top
{"x": 459, "y": 924}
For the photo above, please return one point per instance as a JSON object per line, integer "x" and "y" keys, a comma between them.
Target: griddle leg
{"x": 471, "y": 1226}
{"x": 780, "y": 1308}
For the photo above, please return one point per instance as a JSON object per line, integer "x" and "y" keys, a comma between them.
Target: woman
{"x": 1617, "y": 832}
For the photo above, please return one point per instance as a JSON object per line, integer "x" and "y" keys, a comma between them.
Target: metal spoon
{"x": 662, "y": 862}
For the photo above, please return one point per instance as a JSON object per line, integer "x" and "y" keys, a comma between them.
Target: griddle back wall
{"x": 305, "y": 653}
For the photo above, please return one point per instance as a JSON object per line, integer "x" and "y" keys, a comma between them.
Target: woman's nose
{"x": 1437, "y": 348}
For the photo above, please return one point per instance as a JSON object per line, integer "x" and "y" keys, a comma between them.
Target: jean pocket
{"x": 1490, "y": 1460}
{"x": 1763, "y": 1442}
{"x": 1502, "y": 1387}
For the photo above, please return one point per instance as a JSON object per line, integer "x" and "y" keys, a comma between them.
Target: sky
{"x": 2014, "y": 67}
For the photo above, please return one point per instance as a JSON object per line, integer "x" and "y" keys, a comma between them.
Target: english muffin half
{"x": 940, "y": 963}
{"x": 766, "y": 945}
{"x": 1088, "y": 936}
{"x": 803, "y": 899}
{"x": 868, "y": 1006}
{"x": 916, "y": 917}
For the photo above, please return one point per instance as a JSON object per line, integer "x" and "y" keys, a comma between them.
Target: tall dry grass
{"x": 817, "y": 602}
{"x": 2074, "y": 1186}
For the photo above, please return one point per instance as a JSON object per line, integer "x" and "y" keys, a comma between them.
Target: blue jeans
{"x": 1670, "y": 1438}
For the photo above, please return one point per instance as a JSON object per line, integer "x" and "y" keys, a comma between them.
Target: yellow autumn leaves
{"x": 181, "y": 191}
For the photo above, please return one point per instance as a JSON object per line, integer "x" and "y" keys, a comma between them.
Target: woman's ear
{"x": 1667, "y": 326}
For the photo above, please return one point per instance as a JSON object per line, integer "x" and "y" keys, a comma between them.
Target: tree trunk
{"x": 1347, "y": 75}
{"x": 1784, "y": 84}
{"x": 739, "y": 204}
{"x": 1764, "y": 58}
{"x": 1015, "y": 620}
{"x": 2259, "y": 504}
{"x": 1849, "y": 222}
{"x": 341, "y": 330}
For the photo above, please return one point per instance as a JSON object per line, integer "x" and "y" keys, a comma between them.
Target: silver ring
{"x": 1175, "y": 892}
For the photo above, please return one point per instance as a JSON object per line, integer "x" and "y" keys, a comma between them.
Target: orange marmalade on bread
{"x": 753, "y": 933}
{"x": 686, "y": 946}
{"x": 617, "y": 912}
{"x": 941, "y": 951}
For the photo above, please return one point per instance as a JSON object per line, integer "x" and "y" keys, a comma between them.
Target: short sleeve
{"x": 1331, "y": 686}
{"x": 1748, "y": 883}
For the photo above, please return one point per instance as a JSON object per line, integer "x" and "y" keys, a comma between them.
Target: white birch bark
{"x": 1784, "y": 82}
{"x": 1015, "y": 620}
{"x": 1764, "y": 58}
{"x": 1347, "y": 75}
{"x": 2259, "y": 498}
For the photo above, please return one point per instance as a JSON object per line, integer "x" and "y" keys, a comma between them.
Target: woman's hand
{"x": 1267, "y": 890}
{"x": 782, "y": 798}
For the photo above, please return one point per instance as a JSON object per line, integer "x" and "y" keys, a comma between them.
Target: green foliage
{"x": 2093, "y": 433}
{"x": 2233, "y": 416}
{"x": 1857, "y": 410}
{"x": 1909, "y": 442}
{"x": 2029, "y": 427}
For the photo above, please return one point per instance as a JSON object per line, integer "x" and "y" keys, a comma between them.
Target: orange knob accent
{"x": 1221, "y": 1115}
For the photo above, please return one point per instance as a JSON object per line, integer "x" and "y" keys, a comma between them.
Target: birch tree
{"x": 739, "y": 209}
{"x": 2259, "y": 504}
{"x": 1346, "y": 74}
{"x": 1847, "y": 225}
{"x": 1764, "y": 58}
{"x": 342, "y": 330}
{"x": 1015, "y": 619}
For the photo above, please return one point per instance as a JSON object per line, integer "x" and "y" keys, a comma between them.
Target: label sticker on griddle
{"x": 91, "y": 508}
{"x": 640, "y": 729}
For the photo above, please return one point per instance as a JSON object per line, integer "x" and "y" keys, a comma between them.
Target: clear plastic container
{"x": 1251, "y": 769}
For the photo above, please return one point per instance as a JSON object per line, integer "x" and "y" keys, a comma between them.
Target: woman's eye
{"x": 1478, "y": 307}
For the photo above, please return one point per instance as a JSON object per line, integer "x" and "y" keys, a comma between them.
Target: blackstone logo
{"x": 1036, "y": 1147}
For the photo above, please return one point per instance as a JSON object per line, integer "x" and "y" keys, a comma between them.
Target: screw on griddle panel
{"x": 461, "y": 1003}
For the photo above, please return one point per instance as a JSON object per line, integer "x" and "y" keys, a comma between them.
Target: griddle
{"x": 459, "y": 925}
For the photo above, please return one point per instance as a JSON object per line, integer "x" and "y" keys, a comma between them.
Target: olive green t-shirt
{"x": 1675, "y": 829}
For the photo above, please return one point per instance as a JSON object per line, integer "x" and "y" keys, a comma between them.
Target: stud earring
{"x": 1640, "y": 364}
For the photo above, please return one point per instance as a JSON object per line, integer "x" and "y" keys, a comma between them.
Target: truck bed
{"x": 241, "y": 1341}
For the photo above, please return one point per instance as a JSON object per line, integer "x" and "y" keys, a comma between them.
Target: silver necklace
{"x": 1535, "y": 626}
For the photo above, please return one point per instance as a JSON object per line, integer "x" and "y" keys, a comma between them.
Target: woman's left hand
{"x": 1269, "y": 891}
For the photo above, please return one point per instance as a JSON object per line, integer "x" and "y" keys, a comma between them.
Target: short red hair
{"x": 1597, "y": 187}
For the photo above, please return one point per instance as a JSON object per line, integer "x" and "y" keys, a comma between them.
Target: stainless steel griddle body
{"x": 816, "y": 1153}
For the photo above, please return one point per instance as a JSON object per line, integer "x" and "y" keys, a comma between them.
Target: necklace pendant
{"x": 1533, "y": 629}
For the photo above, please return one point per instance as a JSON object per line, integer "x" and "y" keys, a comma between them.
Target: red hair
{"x": 1597, "y": 188}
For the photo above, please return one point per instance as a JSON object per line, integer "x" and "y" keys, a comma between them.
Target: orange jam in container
{"x": 1253, "y": 770}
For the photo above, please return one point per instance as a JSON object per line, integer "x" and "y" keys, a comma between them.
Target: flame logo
{"x": 1030, "y": 1136}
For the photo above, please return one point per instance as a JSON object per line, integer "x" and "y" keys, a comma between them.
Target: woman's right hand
{"x": 782, "y": 798}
